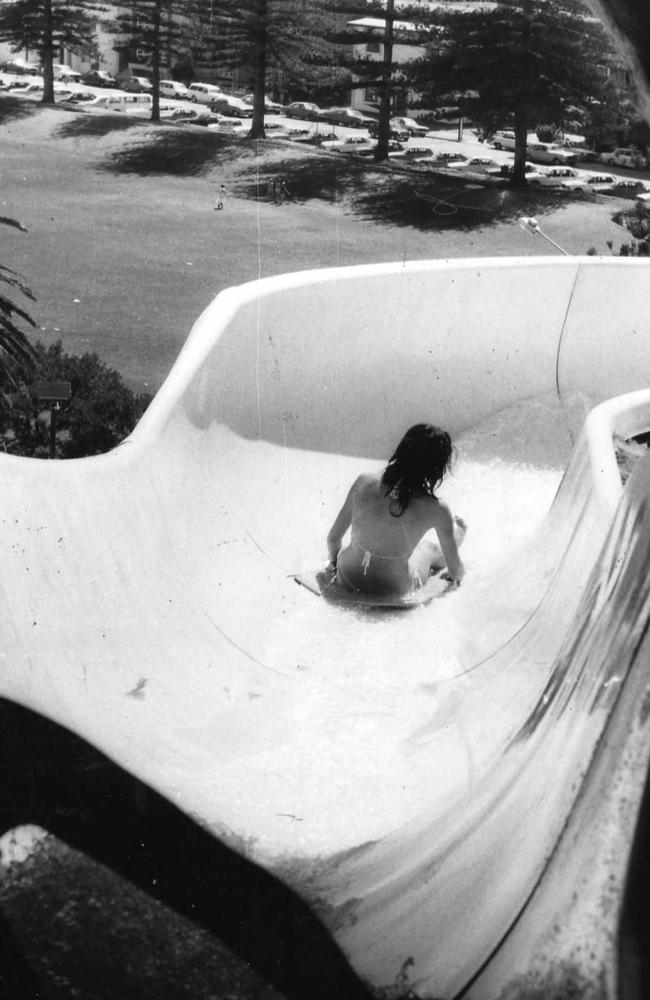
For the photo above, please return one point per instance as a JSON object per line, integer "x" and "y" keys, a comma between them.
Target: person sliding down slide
{"x": 389, "y": 515}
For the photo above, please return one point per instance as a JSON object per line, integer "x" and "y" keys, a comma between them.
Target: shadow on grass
{"x": 177, "y": 151}
{"x": 419, "y": 198}
{"x": 95, "y": 126}
{"x": 15, "y": 108}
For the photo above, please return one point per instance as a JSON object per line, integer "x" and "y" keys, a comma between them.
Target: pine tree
{"x": 160, "y": 30}
{"x": 265, "y": 36}
{"x": 45, "y": 26}
{"x": 524, "y": 61}
{"x": 409, "y": 28}
{"x": 16, "y": 352}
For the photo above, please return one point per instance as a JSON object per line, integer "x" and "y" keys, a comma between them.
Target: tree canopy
{"x": 266, "y": 37}
{"x": 519, "y": 63}
{"x": 159, "y": 31}
{"x": 16, "y": 351}
{"x": 45, "y": 26}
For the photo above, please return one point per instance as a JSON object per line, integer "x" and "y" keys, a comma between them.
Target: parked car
{"x": 269, "y": 105}
{"x": 299, "y": 134}
{"x": 21, "y": 66}
{"x": 65, "y": 73}
{"x": 590, "y": 183}
{"x": 413, "y": 153}
{"x": 80, "y": 97}
{"x": 455, "y": 159}
{"x": 480, "y": 165}
{"x": 174, "y": 90}
{"x": 204, "y": 93}
{"x": 413, "y": 127}
{"x": 303, "y": 109}
{"x": 397, "y": 132}
{"x": 350, "y": 144}
{"x": 626, "y": 187}
{"x": 229, "y": 126}
{"x": 553, "y": 176}
{"x": 346, "y": 116}
{"x": 98, "y": 78}
{"x": 544, "y": 152}
{"x": 395, "y": 149}
{"x": 195, "y": 115}
{"x": 503, "y": 140}
{"x": 623, "y": 158}
{"x": 137, "y": 85}
{"x": 232, "y": 106}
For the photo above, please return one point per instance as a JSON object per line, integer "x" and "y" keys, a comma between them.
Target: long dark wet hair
{"x": 420, "y": 462}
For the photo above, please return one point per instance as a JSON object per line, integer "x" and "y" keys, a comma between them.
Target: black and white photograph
{"x": 325, "y": 500}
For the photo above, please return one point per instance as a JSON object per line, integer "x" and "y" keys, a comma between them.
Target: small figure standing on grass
{"x": 283, "y": 190}
{"x": 221, "y": 198}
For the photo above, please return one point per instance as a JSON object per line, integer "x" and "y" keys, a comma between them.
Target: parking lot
{"x": 456, "y": 147}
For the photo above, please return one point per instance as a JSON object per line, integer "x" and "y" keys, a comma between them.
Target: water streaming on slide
{"x": 373, "y": 685}
{"x": 505, "y": 476}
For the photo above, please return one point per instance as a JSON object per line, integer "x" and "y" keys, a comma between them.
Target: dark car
{"x": 137, "y": 85}
{"x": 234, "y": 107}
{"x": 306, "y": 110}
{"x": 346, "y": 116}
{"x": 98, "y": 78}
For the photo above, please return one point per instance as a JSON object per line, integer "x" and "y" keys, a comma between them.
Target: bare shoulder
{"x": 444, "y": 516}
{"x": 366, "y": 482}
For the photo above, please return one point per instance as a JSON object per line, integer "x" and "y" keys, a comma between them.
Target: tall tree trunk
{"x": 259, "y": 73}
{"x": 47, "y": 54}
{"x": 521, "y": 136}
{"x": 383, "y": 137}
{"x": 522, "y": 111}
{"x": 155, "y": 63}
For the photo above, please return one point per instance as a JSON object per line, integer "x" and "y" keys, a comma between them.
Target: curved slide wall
{"x": 414, "y": 777}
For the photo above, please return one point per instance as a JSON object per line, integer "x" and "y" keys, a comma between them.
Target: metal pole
{"x": 53, "y": 410}
{"x": 531, "y": 225}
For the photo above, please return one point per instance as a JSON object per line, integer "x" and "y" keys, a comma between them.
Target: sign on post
{"x": 52, "y": 392}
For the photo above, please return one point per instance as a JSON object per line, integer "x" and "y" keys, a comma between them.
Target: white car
{"x": 590, "y": 183}
{"x": 553, "y": 176}
{"x": 173, "y": 89}
{"x": 204, "y": 93}
{"x": 65, "y": 73}
{"x": 410, "y": 124}
{"x": 349, "y": 144}
{"x": 503, "y": 140}
{"x": 479, "y": 165}
{"x": 545, "y": 152}
{"x": 622, "y": 158}
{"x": 230, "y": 126}
{"x": 413, "y": 153}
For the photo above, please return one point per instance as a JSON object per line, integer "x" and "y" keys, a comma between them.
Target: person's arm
{"x": 445, "y": 530}
{"x": 340, "y": 526}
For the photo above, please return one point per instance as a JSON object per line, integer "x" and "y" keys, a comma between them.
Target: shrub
{"x": 101, "y": 413}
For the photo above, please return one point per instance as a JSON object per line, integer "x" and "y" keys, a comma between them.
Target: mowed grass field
{"x": 124, "y": 249}
{"x": 123, "y": 252}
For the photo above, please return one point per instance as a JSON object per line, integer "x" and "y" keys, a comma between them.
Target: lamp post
{"x": 52, "y": 394}
{"x": 531, "y": 225}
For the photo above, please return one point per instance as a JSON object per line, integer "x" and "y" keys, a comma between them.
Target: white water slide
{"x": 454, "y": 788}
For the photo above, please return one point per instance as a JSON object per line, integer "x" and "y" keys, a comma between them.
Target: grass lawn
{"x": 124, "y": 249}
{"x": 123, "y": 252}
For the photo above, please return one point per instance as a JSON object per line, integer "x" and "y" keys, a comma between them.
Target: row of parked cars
{"x": 543, "y": 152}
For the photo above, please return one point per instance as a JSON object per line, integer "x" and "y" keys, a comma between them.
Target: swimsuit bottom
{"x": 359, "y": 579}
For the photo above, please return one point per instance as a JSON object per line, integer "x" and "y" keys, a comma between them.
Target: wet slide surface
{"x": 409, "y": 774}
